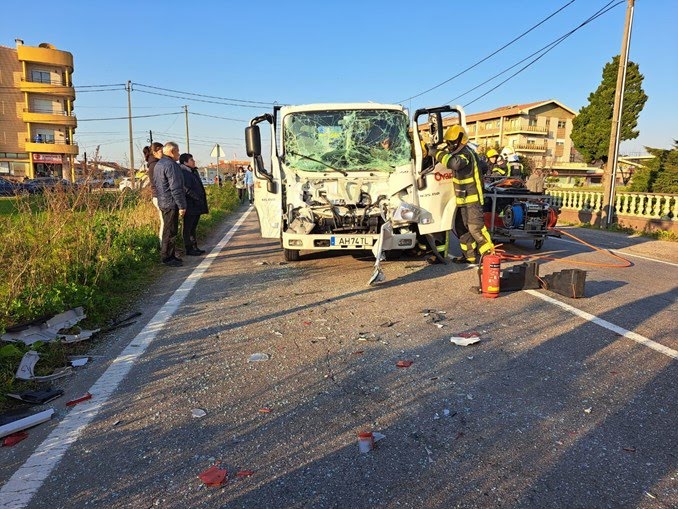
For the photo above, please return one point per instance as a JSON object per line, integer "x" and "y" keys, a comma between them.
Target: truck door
{"x": 268, "y": 195}
{"x": 434, "y": 186}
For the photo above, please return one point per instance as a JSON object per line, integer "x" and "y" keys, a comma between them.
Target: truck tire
{"x": 291, "y": 255}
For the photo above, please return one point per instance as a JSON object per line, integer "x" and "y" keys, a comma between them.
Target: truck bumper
{"x": 343, "y": 241}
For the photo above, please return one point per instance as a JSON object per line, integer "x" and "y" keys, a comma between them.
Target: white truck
{"x": 351, "y": 176}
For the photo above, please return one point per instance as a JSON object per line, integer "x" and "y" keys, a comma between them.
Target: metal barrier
{"x": 645, "y": 205}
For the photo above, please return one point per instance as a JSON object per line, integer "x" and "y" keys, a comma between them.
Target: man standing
{"x": 468, "y": 188}
{"x": 249, "y": 182}
{"x": 169, "y": 184}
{"x": 196, "y": 203}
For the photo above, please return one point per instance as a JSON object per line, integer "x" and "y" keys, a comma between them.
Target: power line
{"x": 125, "y": 118}
{"x": 606, "y": 8}
{"x": 195, "y": 99}
{"x": 216, "y": 116}
{"x": 207, "y": 96}
{"x": 101, "y": 86}
{"x": 488, "y": 56}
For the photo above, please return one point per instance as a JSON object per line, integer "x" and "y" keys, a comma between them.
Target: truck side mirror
{"x": 253, "y": 141}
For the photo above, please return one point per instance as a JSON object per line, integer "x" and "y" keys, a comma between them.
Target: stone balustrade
{"x": 641, "y": 205}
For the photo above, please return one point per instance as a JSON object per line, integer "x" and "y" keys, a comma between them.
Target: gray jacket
{"x": 169, "y": 183}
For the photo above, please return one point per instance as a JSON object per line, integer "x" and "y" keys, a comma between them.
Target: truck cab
{"x": 350, "y": 176}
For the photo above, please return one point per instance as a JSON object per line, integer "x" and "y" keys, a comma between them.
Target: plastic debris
{"x": 25, "y": 422}
{"x": 629, "y": 449}
{"x": 259, "y": 357}
{"x": 466, "y": 339}
{"x": 76, "y": 401}
{"x": 376, "y": 436}
{"x": 265, "y": 410}
{"x": 49, "y": 330}
{"x": 358, "y": 352}
{"x": 38, "y": 397}
{"x": 14, "y": 438}
{"x": 446, "y": 412}
{"x": 27, "y": 365}
{"x": 404, "y": 364}
{"x": 469, "y": 396}
{"x": 214, "y": 476}
{"x": 78, "y": 361}
{"x": 440, "y": 325}
{"x": 588, "y": 410}
{"x": 365, "y": 442}
{"x": 198, "y": 413}
{"x": 245, "y": 473}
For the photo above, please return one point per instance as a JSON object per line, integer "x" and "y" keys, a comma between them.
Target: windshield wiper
{"x": 345, "y": 174}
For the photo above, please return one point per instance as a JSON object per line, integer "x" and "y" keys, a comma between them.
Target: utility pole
{"x": 129, "y": 117}
{"x": 150, "y": 137}
{"x": 188, "y": 143}
{"x": 610, "y": 177}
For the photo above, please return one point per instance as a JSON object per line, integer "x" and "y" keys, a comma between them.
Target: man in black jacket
{"x": 169, "y": 184}
{"x": 196, "y": 203}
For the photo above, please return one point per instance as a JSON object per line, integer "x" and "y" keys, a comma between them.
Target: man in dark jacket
{"x": 169, "y": 184}
{"x": 196, "y": 203}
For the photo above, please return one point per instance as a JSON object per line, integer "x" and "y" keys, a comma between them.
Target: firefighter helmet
{"x": 456, "y": 135}
{"x": 491, "y": 153}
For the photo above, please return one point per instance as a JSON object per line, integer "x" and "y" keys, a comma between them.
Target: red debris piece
{"x": 468, "y": 335}
{"x": 404, "y": 364}
{"x": 214, "y": 476}
{"x": 630, "y": 449}
{"x": 74, "y": 402}
{"x": 358, "y": 352}
{"x": 265, "y": 410}
{"x": 614, "y": 372}
{"x": 308, "y": 323}
{"x": 14, "y": 438}
{"x": 245, "y": 473}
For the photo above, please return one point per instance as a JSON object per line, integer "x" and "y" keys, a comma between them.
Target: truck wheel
{"x": 291, "y": 255}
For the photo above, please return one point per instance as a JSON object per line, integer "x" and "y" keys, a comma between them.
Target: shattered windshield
{"x": 346, "y": 140}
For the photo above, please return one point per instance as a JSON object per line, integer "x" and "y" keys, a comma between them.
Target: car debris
{"x": 25, "y": 422}
{"x": 50, "y": 330}
{"x": 198, "y": 413}
{"x": 365, "y": 442}
{"x": 85, "y": 397}
{"x": 259, "y": 357}
{"x": 244, "y": 473}
{"x": 78, "y": 360}
{"x": 466, "y": 339}
{"x": 38, "y": 397}
{"x": 27, "y": 365}
{"x": 14, "y": 438}
{"x": 404, "y": 364}
{"x": 214, "y": 476}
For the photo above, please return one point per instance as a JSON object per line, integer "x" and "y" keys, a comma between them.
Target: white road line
{"x": 622, "y": 253}
{"x": 670, "y": 352}
{"x": 27, "y": 480}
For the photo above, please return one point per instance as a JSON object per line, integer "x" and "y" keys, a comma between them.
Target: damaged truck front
{"x": 349, "y": 176}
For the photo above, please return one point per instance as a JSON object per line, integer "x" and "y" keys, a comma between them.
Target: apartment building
{"x": 36, "y": 112}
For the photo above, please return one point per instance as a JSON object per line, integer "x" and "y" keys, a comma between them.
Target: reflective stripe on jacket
{"x": 468, "y": 187}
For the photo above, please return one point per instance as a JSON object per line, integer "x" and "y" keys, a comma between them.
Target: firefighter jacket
{"x": 468, "y": 186}
{"x": 499, "y": 169}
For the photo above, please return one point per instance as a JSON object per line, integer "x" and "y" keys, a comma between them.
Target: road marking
{"x": 27, "y": 480}
{"x": 670, "y": 352}
{"x": 622, "y": 253}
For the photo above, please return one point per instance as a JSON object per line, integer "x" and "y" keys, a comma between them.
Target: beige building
{"x": 36, "y": 112}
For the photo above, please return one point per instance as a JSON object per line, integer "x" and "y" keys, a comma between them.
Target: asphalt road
{"x": 548, "y": 410}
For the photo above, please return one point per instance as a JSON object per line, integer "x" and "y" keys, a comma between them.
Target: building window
{"x": 531, "y": 141}
{"x": 41, "y": 77}
{"x": 560, "y": 143}
{"x": 532, "y": 122}
{"x": 561, "y": 124}
{"x": 4, "y": 167}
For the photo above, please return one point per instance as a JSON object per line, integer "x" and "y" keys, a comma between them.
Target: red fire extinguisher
{"x": 490, "y": 275}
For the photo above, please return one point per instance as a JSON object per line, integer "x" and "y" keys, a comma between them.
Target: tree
{"x": 591, "y": 127}
{"x": 660, "y": 175}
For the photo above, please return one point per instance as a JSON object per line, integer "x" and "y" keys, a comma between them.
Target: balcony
{"x": 54, "y": 87}
{"x": 524, "y": 128}
{"x": 46, "y": 55}
{"x": 61, "y": 118}
{"x": 52, "y": 147}
{"x": 530, "y": 147}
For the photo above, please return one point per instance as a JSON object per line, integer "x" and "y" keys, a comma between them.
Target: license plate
{"x": 340, "y": 240}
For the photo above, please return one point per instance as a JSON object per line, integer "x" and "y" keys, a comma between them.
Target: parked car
{"x": 39, "y": 184}
{"x": 9, "y": 188}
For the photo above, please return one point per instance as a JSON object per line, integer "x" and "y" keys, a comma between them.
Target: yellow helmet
{"x": 456, "y": 134}
{"x": 491, "y": 153}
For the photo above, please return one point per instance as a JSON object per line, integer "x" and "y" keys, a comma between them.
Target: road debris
{"x": 51, "y": 329}
{"x": 358, "y": 352}
{"x": 588, "y": 410}
{"x": 27, "y": 365}
{"x": 14, "y": 438}
{"x": 244, "y": 473}
{"x": 465, "y": 339}
{"x": 214, "y": 476}
{"x": 25, "y": 422}
{"x": 198, "y": 413}
{"x": 259, "y": 357}
{"x": 38, "y": 397}
{"x": 629, "y": 449}
{"x": 76, "y": 401}
{"x": 365, "y": 442}
{"x": 265, "y": 410}
{"x": 404, "y": 364}
{"x": 78, "y": 360}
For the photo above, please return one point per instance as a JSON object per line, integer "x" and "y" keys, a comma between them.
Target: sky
{"x": 300, "y": 52}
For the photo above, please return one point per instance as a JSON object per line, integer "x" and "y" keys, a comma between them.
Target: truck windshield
{"x": 349, "y": 140}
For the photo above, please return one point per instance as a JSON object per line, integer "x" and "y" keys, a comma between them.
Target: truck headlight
{"x": 406, "y": 212}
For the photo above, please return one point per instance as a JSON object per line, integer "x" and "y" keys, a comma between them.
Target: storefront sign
{"x": 47, "y": 158}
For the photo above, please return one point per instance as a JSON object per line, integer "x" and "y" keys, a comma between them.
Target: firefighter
{"x": 496, "y": 164}
{"x": 457, "y": 156}
{"x": 515, "y": 167}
